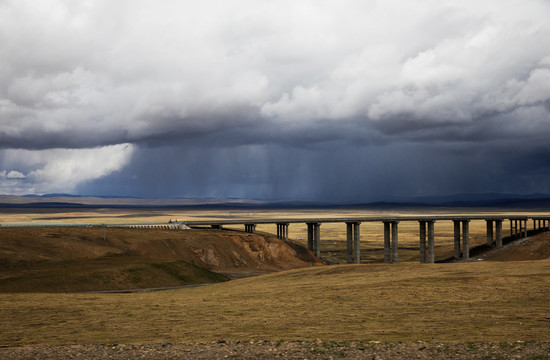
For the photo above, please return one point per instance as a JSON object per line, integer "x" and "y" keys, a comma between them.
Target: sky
{"x": 313, "y": 100}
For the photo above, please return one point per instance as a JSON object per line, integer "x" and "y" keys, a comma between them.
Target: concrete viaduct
{"x": 518, "y": 228}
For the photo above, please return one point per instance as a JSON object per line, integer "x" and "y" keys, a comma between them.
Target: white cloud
{"x": 15, "y": 175}
{"x": 62, "y": 170}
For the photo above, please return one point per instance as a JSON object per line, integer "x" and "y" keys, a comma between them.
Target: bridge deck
{"x": 218, "y": 222}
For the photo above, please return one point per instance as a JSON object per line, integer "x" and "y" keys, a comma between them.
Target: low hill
{"x": 86, "y": 259}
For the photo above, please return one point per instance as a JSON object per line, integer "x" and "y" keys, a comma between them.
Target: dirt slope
{"x": 77, "y": 259}
{"x": 533, "y": 248}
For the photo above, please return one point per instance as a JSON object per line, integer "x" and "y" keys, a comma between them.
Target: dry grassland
{"x": 333, "y": 235}
{"x": 487, "y": 301}
{"x": 476, "y": 301}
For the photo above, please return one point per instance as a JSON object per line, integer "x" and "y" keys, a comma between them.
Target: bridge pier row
{"x": 494, "y": 237}
{"x": 390, "y": 249}
{"x": 518, "y": 231}
{"x": 314, "y": 238}
{"x": 431, "y": 242}
{"x": 353, "y": 249}
{"x": 250, "y": 228}
{"x": 539, "y": 225}
{"x": 465, "y": 239}
{"x": 282, "y": 231}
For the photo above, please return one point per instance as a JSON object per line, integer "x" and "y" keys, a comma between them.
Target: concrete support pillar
{"x": 349, "y": 242}
{"x": 466, "y": 239}
{"x": 387, "y": 251}
{"x": 387, "y": 246}
{"x": 498, "y": 229}
{"x": 282, "y": 231}
{"x": 431, "y": 242}
{"x": 457, "y": 238}
{"x": 422, "y": 242}
{"x": 314, "y": 235}
{"x": 524, "y": 228}
{"x": 250, "y": 228}
{"x": 394, "y": 242}
{"x": 357, "y": 243}
{"x": 489, "y": 232}
{"x": 310, "y": 231}
{"x": 353, "y": 249}
{"x": 317, "y": 240}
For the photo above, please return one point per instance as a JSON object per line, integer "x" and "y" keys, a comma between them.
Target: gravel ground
{"x": 286, "y": 350}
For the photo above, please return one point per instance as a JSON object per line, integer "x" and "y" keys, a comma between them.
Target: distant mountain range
{"x": 489, "y": 200}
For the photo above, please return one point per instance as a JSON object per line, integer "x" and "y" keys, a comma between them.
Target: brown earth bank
{"x": 86, "y": 259}
{"x": 532, "y": 248}
{"x": 287, "y": 350}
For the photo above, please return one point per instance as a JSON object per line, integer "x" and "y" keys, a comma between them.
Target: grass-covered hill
{"x": 86, "y": 259}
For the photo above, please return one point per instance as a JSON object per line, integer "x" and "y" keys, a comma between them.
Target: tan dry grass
{"x": 488, "y": 301}
{"x": 333, "y": 235}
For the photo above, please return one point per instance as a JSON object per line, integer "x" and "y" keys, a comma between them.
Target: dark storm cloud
{"x": 226, "y": 87}
{"x": 333, "y": 171}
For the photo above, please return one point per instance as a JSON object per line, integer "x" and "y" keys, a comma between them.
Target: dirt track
{"x": 286, "y": 350}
